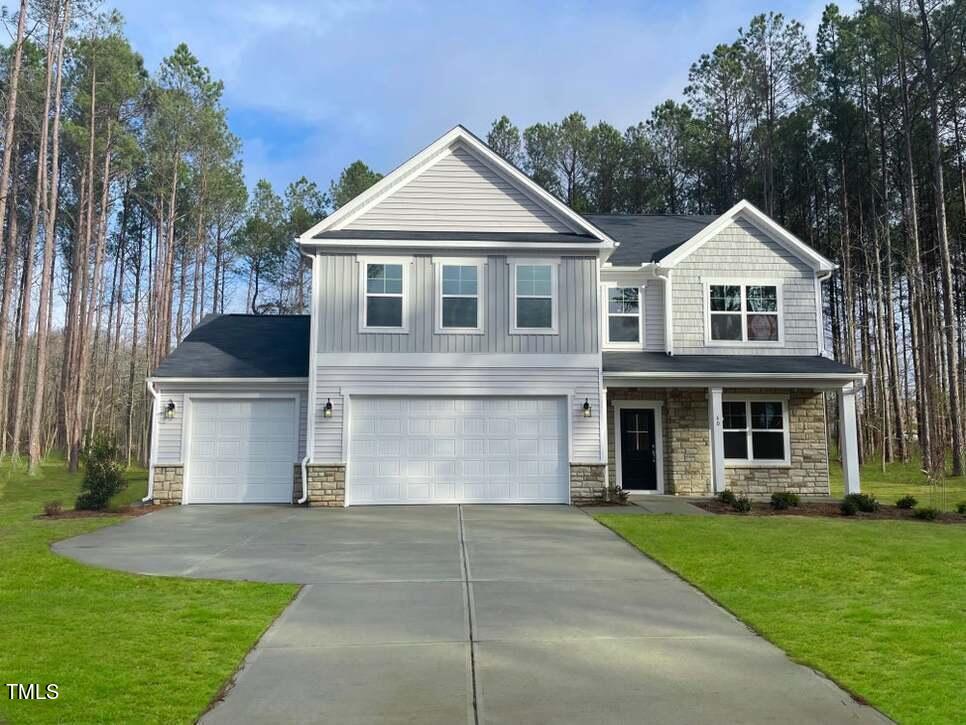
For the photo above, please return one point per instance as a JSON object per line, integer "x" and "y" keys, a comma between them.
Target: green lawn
{"x": 879, "y": 606}
{"x": 898, "y": 480}
{"x": 121, "y": 648}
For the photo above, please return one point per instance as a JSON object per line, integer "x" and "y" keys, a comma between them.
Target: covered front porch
{"x": 699, "y": 424}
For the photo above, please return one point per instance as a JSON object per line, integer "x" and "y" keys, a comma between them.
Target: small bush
{"x": 961, "y": 508}
{"x": 53, "y": 508}
{"x": 864, "y": 502}
{"x": 906, "y": 502}
{"x": 848, "y": 507}
{"x": 621, "y": 495}
{"x": 782, "y": 500}
{"x": 727, "y": 496}
{"x": 103, "y": 476}
{"x": 926, "y": 513}
{"x": 742, "y": 504}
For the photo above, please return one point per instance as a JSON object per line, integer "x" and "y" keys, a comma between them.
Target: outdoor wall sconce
{"x": 327, "y": 411}
{"x": 169, "y": 410}
{"x": 586, "y": 408}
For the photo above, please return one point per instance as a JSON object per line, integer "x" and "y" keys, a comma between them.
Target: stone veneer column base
{"x": 168, "y": 485}
{"x": 326, "y": 485}
{"x": 588, "y": 483}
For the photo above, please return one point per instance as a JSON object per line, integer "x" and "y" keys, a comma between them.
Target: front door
{"x": 638, "y": 443}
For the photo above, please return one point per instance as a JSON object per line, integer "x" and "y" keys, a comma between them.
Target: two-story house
{"x": 472, "y": 339}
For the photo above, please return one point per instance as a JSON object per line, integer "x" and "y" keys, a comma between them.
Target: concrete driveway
{"x": 475, "y": 614}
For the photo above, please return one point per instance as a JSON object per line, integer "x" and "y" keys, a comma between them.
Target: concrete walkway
{"x": 475, "y": 614}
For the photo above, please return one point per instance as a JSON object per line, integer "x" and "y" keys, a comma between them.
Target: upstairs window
{"x": 624, "y": 319}
{"x": 744, "y": 313}
{"x": 384, "y": 287}
{"x": 460, "y": 296}
{"x": 534, "y": 298}
{"x": 755, "y": 431}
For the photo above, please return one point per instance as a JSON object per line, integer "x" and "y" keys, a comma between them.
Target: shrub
{"x": 727, "y": 496}
{"x": 926, "y": 513}
{"x": 848, "y": 507}
{"x": 961, "y": 508}
{"x": 742, "y": 504}
{"x": 906, "y": 502}
{"x": 782, "y": 500}
{"x": 53, "y": 508}
{"x": 621, "y": 495}
{"x": 103, "y": 475}
{"x": 863, "y": 502}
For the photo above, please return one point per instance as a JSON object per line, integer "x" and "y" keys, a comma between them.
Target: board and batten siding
{"x": 580, "y": 383}
{"x": 741, "y": 252}
{"x": 458, "y": 192}
{"x": 339, "y": 311}
{"x": 171, "y": 430}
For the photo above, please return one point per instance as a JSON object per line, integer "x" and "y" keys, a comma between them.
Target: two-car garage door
{"x": 406, "y": 450}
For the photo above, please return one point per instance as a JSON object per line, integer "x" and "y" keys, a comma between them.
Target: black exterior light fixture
{"x": 586, "y": 408}
{"x": 169, "y": 410}
{"x": 327, "y": 411}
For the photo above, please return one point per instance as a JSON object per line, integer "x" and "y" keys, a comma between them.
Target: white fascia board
{"x": 458, "y": 360}
{"x": 294, "y": 381}
{"x": 765, "y": 223}
{"x": 416, "y": 245}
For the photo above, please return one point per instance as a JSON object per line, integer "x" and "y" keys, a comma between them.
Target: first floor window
{"x": 460, "y": 296}
{"x": 384, "y": 295}
{"x": 754, "y": 430}
{"x": 534, "y": 296}
{"x": 624, "y": 315}
{"x": 743, "y": 312}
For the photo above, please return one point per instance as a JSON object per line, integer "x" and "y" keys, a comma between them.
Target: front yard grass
{"x": 878, "y": 606}
{"x": 898, "y": 480}
{"x": 121, "y": 647}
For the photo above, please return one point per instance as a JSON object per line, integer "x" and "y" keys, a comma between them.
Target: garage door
{"x": 454, "y": 450}
{"x": 241, "y": 450}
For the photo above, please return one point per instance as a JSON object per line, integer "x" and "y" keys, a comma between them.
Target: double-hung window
{"x": 460, "y": 285}
{"x": 534, "y": 297}
{"x": 624, "y": 328}
{"x": 755, "y": 431}
{"x": 744, "y": 313}
{"x": 384, "y": 283}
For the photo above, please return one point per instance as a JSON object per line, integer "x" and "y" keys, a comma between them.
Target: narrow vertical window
{"x": 534, "y": 303}
{"x": 460, "y": 297}
{"x": 384, "y": 295}
{"x": 624, "y": 316}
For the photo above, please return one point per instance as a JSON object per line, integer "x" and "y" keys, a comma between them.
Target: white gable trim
{"x": 746, "y": 210}
{"x": 430, "y": 155}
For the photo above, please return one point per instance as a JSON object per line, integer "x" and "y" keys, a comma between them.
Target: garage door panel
{"x": 241, "y": 451}
{"x": 475, "y": 449}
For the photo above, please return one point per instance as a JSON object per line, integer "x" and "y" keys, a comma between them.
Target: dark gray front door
{"x": 638, "y": 450}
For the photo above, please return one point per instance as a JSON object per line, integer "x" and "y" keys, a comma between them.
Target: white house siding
{"x": 742, "y": 252}
{"x": 654, "y": 315}
{"x": 458, "y": 192}
{"x": 339, "y": 311}
{"x": 580, "y": 383}
{"x": 171, "y": 430}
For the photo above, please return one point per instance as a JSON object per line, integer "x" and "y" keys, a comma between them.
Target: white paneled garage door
{"x": 455, "y": 450}
{"x": 241, "y": 450}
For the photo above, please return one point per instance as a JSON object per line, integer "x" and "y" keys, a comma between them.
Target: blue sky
{"x": 312, "y": 85}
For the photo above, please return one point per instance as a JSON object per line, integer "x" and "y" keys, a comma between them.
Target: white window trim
{"x": 658, "y": 407}
{"x": 364, "y": 261}
{"x": 554, "y": 264}
{"x": 760, "y": 462}
{"x": 480, "y": 264}
{"x": 605, "y": 320}
{"x": 744, "y": 284}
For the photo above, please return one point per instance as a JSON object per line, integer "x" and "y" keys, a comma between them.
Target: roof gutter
{"x": 154, "y": 440}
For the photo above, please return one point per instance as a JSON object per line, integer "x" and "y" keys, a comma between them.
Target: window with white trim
{"x": 384, "y": 296}
{"x": 755, "y": 431}
{"x": 460, "y": 304}
{"x": 534, "y": 297}
{"x": 744, "y": 313}
{"x": 624, "y": 323}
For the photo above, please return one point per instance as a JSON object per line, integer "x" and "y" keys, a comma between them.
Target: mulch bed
{"x": 124, "y": 511}
{"x": 825, "y": 509}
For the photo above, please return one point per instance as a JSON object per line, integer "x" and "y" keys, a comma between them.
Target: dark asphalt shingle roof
{"x": 648, "y": 237}
{"x": 435, "y": 236}
{"x": 242, "y": 346}
{"x": 658, "y": 362}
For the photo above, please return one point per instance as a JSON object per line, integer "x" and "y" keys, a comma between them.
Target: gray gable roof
{"x": 242, "y": 346}
{"x": 658, "y": 362}
{"x": 648, "y": 237}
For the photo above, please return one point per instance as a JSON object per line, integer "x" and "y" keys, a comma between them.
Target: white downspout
{"x": 154, "y": 441}
{"x": 668, "y": 312}
{"x": 310, "y": 404}
{"x": 819, "y": 312}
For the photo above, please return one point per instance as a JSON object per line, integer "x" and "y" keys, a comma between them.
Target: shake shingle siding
{"x": 654, "y": 315}
{"x": 741, "y": 253}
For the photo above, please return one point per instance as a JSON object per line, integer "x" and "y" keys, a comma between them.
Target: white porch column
{"x": 716, "y": 426}
{"x": 849, "y": 438}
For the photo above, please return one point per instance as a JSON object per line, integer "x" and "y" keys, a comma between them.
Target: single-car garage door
{"x": 454, "y": 450}
{"x": 241, "y": 450}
